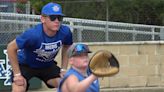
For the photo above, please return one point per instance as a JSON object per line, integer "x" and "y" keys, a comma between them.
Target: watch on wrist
{"x": 61, "y": 70}
{"x": 18, "y": 74}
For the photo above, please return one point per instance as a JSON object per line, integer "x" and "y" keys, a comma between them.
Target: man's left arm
{"x": 64, "y": 56}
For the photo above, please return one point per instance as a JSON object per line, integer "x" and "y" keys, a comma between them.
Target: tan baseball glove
{"x": 104, "y": 64}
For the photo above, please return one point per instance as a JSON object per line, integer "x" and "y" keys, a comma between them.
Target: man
{"x": 78, "y": 78}
{"x": 33, "y": 52}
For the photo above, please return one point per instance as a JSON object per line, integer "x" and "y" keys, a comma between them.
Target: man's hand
{"x": 19, "y": 80}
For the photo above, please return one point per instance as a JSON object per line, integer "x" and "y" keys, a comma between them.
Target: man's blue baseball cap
{"x": 52, "y": 9}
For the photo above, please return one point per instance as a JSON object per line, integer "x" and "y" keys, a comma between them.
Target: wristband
{"x": 61, "y": 70}
{"x": 18, "y": 74}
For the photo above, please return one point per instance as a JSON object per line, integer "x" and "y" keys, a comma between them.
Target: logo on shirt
{"x": 48, "y": 51}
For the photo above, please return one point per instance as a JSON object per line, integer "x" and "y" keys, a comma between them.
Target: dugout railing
{"x": 84, "y": 30}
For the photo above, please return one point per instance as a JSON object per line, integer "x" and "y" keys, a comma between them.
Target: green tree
{"x": 130, "y": 11}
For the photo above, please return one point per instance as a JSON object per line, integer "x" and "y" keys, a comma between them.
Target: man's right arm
{"x": 12, "y": 55}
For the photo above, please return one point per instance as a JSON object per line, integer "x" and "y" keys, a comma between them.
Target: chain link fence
{"x": 84, "y": 30}
{"x": 14, "y": 6}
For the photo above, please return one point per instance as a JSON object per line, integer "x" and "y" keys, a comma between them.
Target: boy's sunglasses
{"x": 54, "y": 17}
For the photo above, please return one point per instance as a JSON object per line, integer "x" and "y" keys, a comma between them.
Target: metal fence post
{"x": 161, "y": 33}
{"x": 79, "y": 34}
{"x": 153, "y": 35}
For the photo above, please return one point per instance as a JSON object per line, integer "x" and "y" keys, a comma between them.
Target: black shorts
{"x": 43, "y": 74}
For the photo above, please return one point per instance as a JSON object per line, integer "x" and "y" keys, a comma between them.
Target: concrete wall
{"x": 141, "y": 64}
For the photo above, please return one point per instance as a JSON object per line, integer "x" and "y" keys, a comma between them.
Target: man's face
{"x": 52, "y": 22}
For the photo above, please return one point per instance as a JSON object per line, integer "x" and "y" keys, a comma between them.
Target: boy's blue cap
{"x": 52, "y": 9}
{"x": 77, "y": 49}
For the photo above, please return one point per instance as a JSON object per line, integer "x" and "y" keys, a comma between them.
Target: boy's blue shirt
{"x": 94, "y": 87}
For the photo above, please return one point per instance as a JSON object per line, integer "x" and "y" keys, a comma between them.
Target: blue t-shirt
{"x": 37, "y": 49}
{"x": 94, "y": 87}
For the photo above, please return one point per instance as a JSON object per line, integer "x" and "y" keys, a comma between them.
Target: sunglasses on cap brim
{"x": 80, "y": 48}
